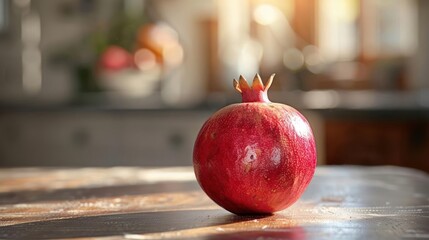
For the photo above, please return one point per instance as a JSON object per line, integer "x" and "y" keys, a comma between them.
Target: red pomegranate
{"x": 255, "y": 157}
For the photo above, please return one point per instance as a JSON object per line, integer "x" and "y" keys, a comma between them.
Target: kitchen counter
{"x": 167, "y": 203}
{"x": 99, "y": 130}
{"x": 314, "y": 100}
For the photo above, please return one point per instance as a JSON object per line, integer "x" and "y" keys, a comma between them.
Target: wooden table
{"x": 167, "y": 203}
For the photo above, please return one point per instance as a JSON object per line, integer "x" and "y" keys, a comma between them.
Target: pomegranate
{"x": 255, "y": 157}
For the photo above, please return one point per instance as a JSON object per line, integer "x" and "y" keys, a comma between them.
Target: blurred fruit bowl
{"x": 130, "y": 82}
{"x": 138, "y": 73}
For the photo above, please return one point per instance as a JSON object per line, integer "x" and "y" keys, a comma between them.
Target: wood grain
{"x": 167, "y": 203}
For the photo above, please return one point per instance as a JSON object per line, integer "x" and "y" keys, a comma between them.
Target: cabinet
{"x": 378, "y": 142}
{"x": 98, "y": 137}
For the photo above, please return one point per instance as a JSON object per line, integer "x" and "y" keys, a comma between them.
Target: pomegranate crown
{"x": 257, "y": 92}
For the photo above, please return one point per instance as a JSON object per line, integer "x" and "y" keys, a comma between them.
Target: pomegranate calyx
{"x": 255, "y": 93}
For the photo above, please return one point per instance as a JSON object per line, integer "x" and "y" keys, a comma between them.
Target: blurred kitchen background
{"x": 106, "y": 83}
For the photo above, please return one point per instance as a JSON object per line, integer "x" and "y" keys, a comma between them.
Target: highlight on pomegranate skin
{"x": 255, "y": 157}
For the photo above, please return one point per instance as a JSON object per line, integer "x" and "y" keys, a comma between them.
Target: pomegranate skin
{"x": 255, "y": 157}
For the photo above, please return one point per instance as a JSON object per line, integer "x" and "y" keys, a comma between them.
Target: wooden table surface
{"x": 167, "y": 203}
